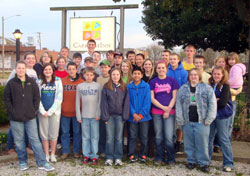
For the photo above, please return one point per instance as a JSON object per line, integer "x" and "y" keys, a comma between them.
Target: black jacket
{"x": 114, "y": 102}
{"x": 22, "y": 103}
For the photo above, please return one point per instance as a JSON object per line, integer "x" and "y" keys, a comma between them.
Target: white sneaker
{"x": 58, "y": 146}
{"x": 53, "y": 158}
{"x": 47, "y": 167}
{"x": 47, "y": 158}
{"x": 118, "y": 162}
{"x": 108, "y": 162}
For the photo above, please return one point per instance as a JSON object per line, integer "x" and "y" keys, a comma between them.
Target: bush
{"x": 3, "y": 111}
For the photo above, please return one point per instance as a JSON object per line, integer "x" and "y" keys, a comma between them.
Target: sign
{"x": 101, "y": 29}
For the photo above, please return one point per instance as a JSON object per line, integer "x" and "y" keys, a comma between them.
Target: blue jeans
{"x": 164, "y": 137}
{"x": 102, "y": 141}
{"x": 134, "y": 129}
{"x": 230, "y": 129}
{"x": 30, "y": 127}
{"x": 11, "y": 143}
{"x": 90, "y": 137}
{"x": 195, "y": 137}
{"x": 65, "y": 137}
{"x": 221, "y": 126}
{"x": 114, "y": 134}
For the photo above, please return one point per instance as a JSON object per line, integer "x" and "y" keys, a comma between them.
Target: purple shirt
{"x": 163, "y": 89}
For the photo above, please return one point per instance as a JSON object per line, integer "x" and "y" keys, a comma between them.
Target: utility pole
{"x": 3, "y": 45}
{"x": 39, "y": 40}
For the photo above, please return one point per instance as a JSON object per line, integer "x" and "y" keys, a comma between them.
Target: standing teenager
{"x": 139, "y": 117}
{"x": 219, "y": 82}
{"x": 21, "y": 98}
{"x": 236, "y": 72}
{"x": 88, "y": 98}
{"x": 163, "y": 97}
{"x": 114, "y": 111}
{"x": 30, "y": 61}
{"x": 49, "y": 110}
{"x": 195, "y": 111}
{"x": 68, "y": 116}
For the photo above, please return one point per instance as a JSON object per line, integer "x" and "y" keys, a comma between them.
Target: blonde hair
{"x": 197, "y": 71}
{"x": 126, "y": 61}
{"x": 109, "y": 84}
{"x": 152, "y": 71}
{"x": 233, "y": 56}
{"x": 224, "y": 79}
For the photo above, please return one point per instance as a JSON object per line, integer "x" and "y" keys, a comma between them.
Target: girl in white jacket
{"x": 50, "y": 109}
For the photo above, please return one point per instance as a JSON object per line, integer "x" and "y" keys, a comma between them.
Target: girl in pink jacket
{"x": 236, "y": 72}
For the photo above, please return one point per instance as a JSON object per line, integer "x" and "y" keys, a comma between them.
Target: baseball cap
{"x": 119, "y": 54}
{"x": 105, "y": 62}
{"x": 90, "y": 59}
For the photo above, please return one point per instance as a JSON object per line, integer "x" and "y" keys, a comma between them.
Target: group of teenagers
{"x": 93, "y": 100}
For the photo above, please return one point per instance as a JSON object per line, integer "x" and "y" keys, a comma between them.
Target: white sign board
{"x": 101, "y": 29}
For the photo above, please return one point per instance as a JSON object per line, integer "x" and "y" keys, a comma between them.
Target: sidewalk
{"x": 241, "y": 151}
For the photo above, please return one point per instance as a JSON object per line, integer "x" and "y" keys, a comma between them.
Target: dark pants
{"x": 140, "y": 128}
{"x": 102, "y": 139}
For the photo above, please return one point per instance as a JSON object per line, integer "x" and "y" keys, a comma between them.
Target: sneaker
{"x": 191, "y": 166}
{"x": 85, "y": 160}
{"x": 108, "y": 162}
{"x": 47, "y": 158}
{"x": 24, "y": 167}
{"x": 58, "y": 146}
{"x": 94, "y": 161}
{"x": 143, "y": 159}
{"x": 64, "y": 156}
{"x": 227, "y": 169}
{"x": 76, "y": 155}
{"x": 118, "y": 162}
{"x": 47, "y": 167}
{"x": 205, "y": 168}
{"x": 158, "y": 162}
{"x": 132, "y": 159}
{"x": 53, "y": 158}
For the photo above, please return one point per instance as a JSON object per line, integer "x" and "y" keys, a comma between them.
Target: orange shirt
{"x": 69, "y": 96}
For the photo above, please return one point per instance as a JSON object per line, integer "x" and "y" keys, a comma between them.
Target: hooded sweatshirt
{"x": 236, "y": 75}
{"x": 179, "y": 74}
{"x": 139, "y": 101}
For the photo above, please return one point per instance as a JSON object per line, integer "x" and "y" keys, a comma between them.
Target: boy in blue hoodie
{"x": 177, "y": 71}
{"x": 139, "y": 103}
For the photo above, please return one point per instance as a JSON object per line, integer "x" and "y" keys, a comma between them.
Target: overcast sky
{"x": 37, "y": 17}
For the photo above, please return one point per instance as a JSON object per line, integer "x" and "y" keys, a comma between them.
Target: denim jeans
{"x": 164, "y": 137}
{"x": 11, "y": 143}
{"x": 230, "y": 129}
{"x": 90, "y": 137}
{"x": 114, "y": 133}
{"x": 195, "y": 137}
{"x": 221, "y": 126}
{"x": 30, "y": 127}
{"x": 134, "y": 129}
{"x": 65, "y": 137}
{"x": 102, "y": 140}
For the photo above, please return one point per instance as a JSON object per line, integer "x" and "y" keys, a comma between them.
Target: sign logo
{"x": 92, "y": 30}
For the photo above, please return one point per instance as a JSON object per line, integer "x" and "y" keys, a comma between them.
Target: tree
{"x": 154, "y": 51}
{"x": 216, "y": 24}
